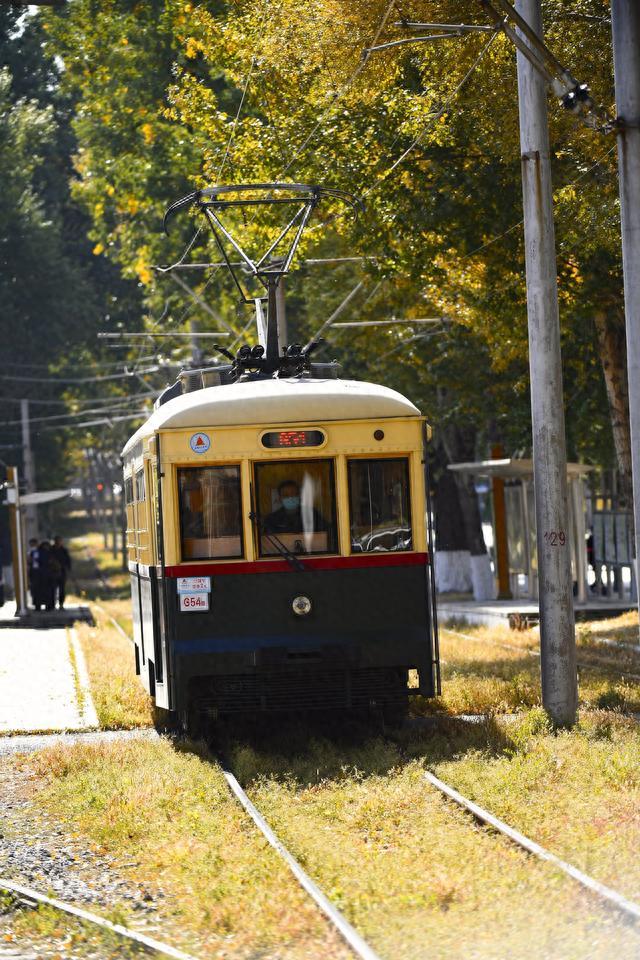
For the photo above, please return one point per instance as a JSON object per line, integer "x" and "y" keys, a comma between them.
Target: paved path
{"x": 38, "y": 682}
{"x": 31, "y": 743}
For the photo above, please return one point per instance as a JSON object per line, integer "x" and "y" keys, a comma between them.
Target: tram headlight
{"x": 301, "y": 606}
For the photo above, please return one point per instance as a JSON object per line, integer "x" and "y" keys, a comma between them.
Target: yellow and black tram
{"x": 277, "y": 536}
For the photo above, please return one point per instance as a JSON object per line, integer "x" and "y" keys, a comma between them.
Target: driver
{"x": 288, "y": 517}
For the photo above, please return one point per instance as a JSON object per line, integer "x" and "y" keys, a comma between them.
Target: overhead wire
{"x": 566, "y": 186}
{"x": 104, "y": 421}
{"x": 93, "y": 411}
{"x": 338, "y": 96}
{"x": 433, "y": 118}
{"x": 68, "y": 380}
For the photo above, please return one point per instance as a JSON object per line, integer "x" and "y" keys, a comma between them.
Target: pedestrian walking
{"x": 33, "y": 572}
{"x": 60, "y": 567}
{"x": 47, "y": 572}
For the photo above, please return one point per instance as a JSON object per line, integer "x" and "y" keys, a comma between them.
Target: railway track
{"x": 607, "y": 897}
{"x": 32, "y": 897}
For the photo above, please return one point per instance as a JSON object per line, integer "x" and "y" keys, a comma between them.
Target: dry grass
{"x": 56, "y": 936}
{"x": 417, "y": 877}
{"x": 225, "y": 893}
{"x": 96, "y": 574}
{"x": 577, "y": 793}
{"x": 494, "y": 670}
{"x": 120, "y": 700}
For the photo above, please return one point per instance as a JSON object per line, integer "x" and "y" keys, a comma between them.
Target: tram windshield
{"x": 379, "y": 503}
{"x": 296, "y": 506}
{"x": 210, "y": 516}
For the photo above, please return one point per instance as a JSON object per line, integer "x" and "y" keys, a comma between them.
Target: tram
{"x": 278, "y": 543}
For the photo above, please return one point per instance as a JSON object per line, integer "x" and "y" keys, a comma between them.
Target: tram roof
{"x": 276, "y": 401}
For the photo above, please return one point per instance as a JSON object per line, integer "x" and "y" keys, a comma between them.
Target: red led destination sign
{"x": 288, "y": 439}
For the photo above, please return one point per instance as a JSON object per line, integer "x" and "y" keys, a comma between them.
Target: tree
{"x": 172, "y": 96}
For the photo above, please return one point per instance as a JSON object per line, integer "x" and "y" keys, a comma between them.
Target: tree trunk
{"x": 610, "y": 330}
{"x": 450, "y": 528}
{"x": 460, "y": 446}
{"x": 453, "y": 562}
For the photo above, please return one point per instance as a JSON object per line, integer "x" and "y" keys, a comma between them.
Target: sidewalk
{"x": 39, "y": 684}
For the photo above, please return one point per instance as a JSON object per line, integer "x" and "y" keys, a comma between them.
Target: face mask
{"x": 291, "y": 503}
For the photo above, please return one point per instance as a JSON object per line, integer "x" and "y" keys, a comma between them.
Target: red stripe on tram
{"x": 364, "y": 561}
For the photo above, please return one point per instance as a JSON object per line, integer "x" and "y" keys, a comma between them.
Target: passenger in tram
{"x": 294, "y": 516}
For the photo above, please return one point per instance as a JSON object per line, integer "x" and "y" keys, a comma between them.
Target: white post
{"x": 625, "y": 20}
{"x": 557, "y": 631}
{"x": 196, "y": 351}
{"x": 283, "y": 333}
{"x": 30, "y": 511}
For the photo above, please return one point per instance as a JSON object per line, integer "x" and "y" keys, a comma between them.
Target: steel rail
{"x": 125, "y": 932}
{"x": 113, "y": 620}
{"x": 610, "y": 896}
{"x": 342, "y": 925}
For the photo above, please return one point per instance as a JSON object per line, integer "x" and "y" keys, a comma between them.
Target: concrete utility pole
{"x": 625, "y": 20}
{"x": 31, "y": 511}
{"x": 557, "y": 630}
{"x": 17, "y": 541}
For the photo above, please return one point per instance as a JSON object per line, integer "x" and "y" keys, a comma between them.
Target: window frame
{"x": 255, "y": 506}
{"x": 367, "y": 458}
{"x": 237, "y": 465}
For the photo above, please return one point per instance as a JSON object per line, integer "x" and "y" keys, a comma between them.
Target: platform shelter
{"x": 514, "y": 524}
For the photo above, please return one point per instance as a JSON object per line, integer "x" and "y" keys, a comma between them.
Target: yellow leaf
{"x": 98, "y": 249}
{"x": 148, "y": 132}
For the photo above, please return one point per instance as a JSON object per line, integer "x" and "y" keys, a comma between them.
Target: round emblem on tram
{"x": 200, "y": 442}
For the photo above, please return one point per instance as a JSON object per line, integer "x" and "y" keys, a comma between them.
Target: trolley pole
{"x": 625, "y": 21}
{"x": 557, "y": 630}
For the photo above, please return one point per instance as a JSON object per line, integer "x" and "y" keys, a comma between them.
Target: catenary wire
{"x": 338, "y": 96}
{"x": 514, "y": 226}
{"x": 67, "y": 380}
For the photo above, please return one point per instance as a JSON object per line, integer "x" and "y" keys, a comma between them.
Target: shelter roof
{"x": 513, "y": 468}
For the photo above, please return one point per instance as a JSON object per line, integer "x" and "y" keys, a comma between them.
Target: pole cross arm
{"x": 573, "y": 95}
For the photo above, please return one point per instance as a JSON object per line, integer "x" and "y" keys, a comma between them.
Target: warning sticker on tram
{"x": 194, "y": 584}
{"x": 194, "y": 602}
{"x": 200, "y": 442}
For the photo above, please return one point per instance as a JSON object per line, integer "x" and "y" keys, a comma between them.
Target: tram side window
{"x": 128, "y": 490}
{"x": 296, "y": 507}
{"x": 379, "y": 503}
{"x": 140, "y": 485}
{"x": 210, "y": 515}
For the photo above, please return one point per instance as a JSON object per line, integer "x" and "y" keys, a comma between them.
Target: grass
{"x": 225, "y": 893}
{"x": 79, "y": 689}
{"x": 483, "y": 673}
{"x": 120, "y": 700}
{"x": 96, "y": 574}
{"x": 414, "y": 873}
{"x": 577, "y": 793}
{"x": 58, "y": 935}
